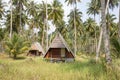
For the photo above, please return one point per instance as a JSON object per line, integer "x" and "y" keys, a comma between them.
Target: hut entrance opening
{"x": 35, "y": 52}
{"x": 63, "y": 52}
{"x": 58, "y": 53}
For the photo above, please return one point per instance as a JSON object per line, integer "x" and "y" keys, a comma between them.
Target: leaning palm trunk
{"x": 105, "y": 34}
{"x": 99, "y": 44}
{"x": 11, "y": 22}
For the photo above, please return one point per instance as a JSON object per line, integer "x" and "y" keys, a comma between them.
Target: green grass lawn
{"x": 39, "y": 69}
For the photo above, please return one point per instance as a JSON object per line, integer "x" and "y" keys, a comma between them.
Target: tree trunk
{"x": 46, "y": 27}
{"x": 14, "y": 56}
{"x": 95, "y": 38}
{"x": 99, "y": 44}
{"x": 107, "y": 6}
{"x": 11, "y": 22}
{"x": 20, "y": 18}
{"x": 105, "y": 34}
{"x": 43, "y": 35}
{"x": 119, "y": 23}
{"x": 75, "y": 49}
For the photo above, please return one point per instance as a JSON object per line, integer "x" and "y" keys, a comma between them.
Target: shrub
{"x": 115, "y": 47}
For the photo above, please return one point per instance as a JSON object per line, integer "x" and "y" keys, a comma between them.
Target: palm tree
{"x": 11, "y": 20}
{"x": 74, "y": 3}
{"x": 94, "y": 8}
{"x": 2, "y": 10}
{"x": 56, "y": 13}
{"x": 19, "y": 5}
{"x": 109, "y": 4}
{"x": 105, "y": 34}
{"x": 15, "y": 22}
{"x": 90, "y": 28}
{"x": 31, "y": 8}
{"x": 90, "y": 25}
{"x": 42, "y": 15}
{"x": 16, "y": 45}
{"x": 111, "y": 25}
{"x": 78, "y": 23}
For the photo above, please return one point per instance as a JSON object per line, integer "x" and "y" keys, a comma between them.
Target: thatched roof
{"x": 59, "y": 42}
{"x": 37, "y": 46}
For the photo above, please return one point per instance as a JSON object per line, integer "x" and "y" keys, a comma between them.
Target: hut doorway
{"x": 62, "y": 52}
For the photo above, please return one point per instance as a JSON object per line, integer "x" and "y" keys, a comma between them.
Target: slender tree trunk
{"x": 20, "y": 18}
{"x": 11, "y": 22}
{"x": 46, "y": 27}
{"x": 43, "y": 35}
{"x": 95, "y": 37}
{"x": 119, "y": 23}
{"x": 75, "y": 48}
{"x": 105, "y": 35}
{"x": 107, "y": 7}
{"x": 99, "y": 44}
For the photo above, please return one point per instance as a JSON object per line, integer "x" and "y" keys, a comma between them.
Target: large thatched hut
{"x": 59, "y": 51}
{"x": 36, "y": 50}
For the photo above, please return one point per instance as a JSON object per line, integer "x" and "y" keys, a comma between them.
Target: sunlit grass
{"x": 39, "y": 69}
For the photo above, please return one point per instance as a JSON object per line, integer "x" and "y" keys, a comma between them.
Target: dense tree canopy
{"x": 80, "y": 35}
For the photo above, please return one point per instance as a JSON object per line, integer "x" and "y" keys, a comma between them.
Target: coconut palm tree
{"x": 42, "y": 15}
{"x": 15, "y": 22}
{"x": 105, "y": 34}
{"x": 78, "y": 22}
{"x": 77, "y": 19}
{"x": 94, "y": 8}
{"x": 108, "y": 4}
{"x": 56, "y": 13}
{"x": 31, "y": 8}
{"x": 20, "y": 7}
{"x": 90, "y": 28}
{"x": 16, "y": 45}
{"x": 2, "y": 10}
{"x": 74, "y": 3}
{"x": 90, "y": 25}
{"x": 111, "y": 25}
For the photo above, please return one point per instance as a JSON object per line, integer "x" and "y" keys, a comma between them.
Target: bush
{"x": 115, "y": 47}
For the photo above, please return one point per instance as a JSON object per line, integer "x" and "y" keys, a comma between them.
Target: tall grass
{"x": 39, "y": 69}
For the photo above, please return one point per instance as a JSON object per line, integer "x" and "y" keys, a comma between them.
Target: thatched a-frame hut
{"x": 59, "y": 51}
{"x": 36, "y": 49}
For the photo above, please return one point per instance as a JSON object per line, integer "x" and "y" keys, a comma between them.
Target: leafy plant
{"x": 16, "y": 45}
{"x": 115, "y": 47}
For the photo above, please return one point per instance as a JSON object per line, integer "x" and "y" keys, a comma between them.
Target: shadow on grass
{"x": 20, "y": 58}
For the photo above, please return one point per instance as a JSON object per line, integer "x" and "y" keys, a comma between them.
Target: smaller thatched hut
{"x": 36, "y": 50}
{"x": 59, "y": 51}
